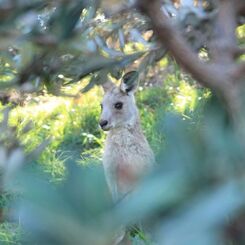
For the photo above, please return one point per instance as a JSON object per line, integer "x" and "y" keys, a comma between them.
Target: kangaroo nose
{"x": 103, "y": 123}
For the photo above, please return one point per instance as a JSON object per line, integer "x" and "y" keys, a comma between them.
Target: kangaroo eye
{"x": 118, "y": 105}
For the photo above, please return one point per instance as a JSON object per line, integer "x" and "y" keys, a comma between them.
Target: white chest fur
{"x": 127, "y": 157}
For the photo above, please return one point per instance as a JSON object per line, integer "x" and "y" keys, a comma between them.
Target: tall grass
{"x": 71, "y": 124}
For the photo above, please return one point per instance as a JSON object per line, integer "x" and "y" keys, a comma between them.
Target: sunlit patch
{"x": 186, "y": 98}
{"x": 240, "y": 31}
{"x": 61, "y": 76}
{"x": 68, "y": 121}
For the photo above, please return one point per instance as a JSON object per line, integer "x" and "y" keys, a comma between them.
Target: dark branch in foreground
{"x": 176, "y": 44}
{"x": 221, "y": 74}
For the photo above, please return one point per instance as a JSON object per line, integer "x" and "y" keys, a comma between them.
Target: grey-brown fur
{"x": 127, "y": 154}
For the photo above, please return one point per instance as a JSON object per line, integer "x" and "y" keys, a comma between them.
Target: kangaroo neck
{"x": 131, "y": 129}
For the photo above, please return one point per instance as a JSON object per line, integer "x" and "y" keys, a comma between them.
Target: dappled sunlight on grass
{"x": 241, "y": 32}
{"x": 48, "y": 117}
{"x": 241, "y": 38}
{"x": 185, "y": 98}
{"x": 70, "y": 123}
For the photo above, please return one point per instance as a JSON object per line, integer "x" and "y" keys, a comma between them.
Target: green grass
{"x": 10, "y": 234}
{"x": 70, "y": 124}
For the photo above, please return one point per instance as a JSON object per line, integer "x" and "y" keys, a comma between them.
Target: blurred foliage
{"x": 52, "y": 188}
{"x": 10, "y": 234}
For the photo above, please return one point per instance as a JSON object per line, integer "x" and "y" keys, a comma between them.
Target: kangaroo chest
{"x": 127, "y": 157}
{"x": 125, "y": 145}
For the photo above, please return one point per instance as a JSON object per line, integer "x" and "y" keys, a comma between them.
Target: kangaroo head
{"x": 118, "y": 108}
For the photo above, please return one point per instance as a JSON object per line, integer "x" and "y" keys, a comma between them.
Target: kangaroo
{"x": 127, "y": 154}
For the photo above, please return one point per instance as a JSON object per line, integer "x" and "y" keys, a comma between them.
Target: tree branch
{"x": 178, "y": 47}
{"x": 240, "y": 6}
{"x": 239, "y": 52}
{"x": 238, "y": 73}
{"x": 220, "y": 75}
{"x": 224, "y": 46}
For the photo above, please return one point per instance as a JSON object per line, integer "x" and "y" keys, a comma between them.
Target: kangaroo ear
{"x": 129, "y": 82}
{"x": 107, "y": 85}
